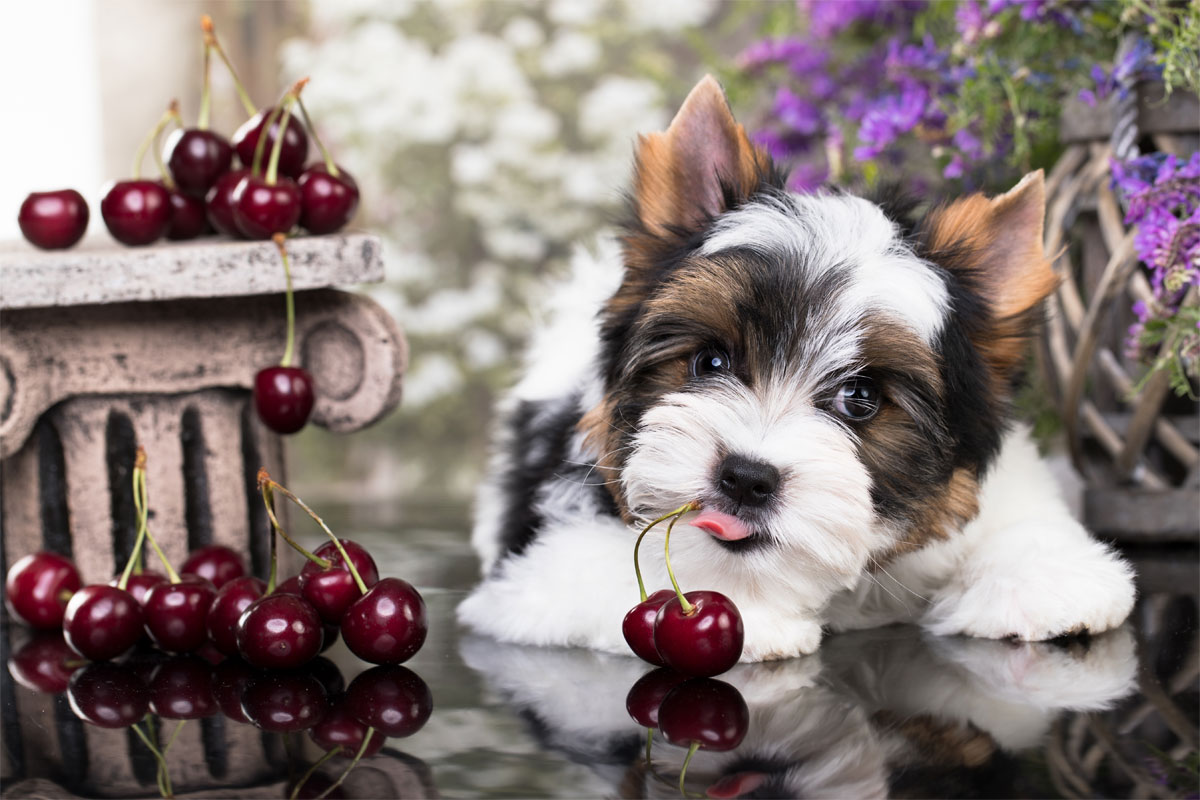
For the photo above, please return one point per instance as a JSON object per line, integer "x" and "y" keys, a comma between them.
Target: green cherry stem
{"x": 357, "y": 757}
{"x": 289, "y": 101}
{"x": 210, "y": 42}
{"x": 269, "y": 502}
{"x": 135, "y": 557}
{"x": 164, "y": 774}
{"x": 649, "y": 742}
{"x": 288, "y": 349}
{"x": 687, "y": 607}
{"x": 637, "y": 569}
{"x": 260, "y": 145}
{"x": 312, "y": 131}
{"x": 141, "y": 502}
{"x": 163, "y": 172}
{"x": 171, "y": 113}
{"x": 268, "y": 487}
{"x": 683, "y": 770}
{"x": 283, "y": 490}
{"x": 205, "y": 89}
{"x": 304, "y": 778}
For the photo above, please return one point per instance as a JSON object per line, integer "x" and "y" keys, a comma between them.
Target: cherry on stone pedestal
{"x": 38, "y": 587}
{"x": 44, "y": 663}
{"x": 279, "y": 631}
{"x": 391, "y": 699}
{"x": 638, "y": 626}
{"x": 261, "y": 209}
{"x": 53, "y": 220}
{"x": 332, "y": 590}
{"x": 280, "y": 702}
{"x": 136, "y": 212}
{"x": 284, "y": 397}
{"x": 108, "y": 695}
{"x": 707, "y": 641}
{"x": 232, "y": 599}
{"x": 216, "y": 563}
{"x": 196, "y": 158}
{"x": 293, "y": 152}
{"x": 387, "y": 624}
{"x": 218, "y": 203}
{"x": 176, "y": 613}
{"x": 327, "y": 202}
{"x": 188, "y": 216}
{"x": 102, "y": 622}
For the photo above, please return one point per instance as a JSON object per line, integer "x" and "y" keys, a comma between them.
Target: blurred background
{"x": 489, "y": 138}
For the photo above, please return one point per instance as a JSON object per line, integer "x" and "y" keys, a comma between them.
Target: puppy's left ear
{"x": 994, "y": 247}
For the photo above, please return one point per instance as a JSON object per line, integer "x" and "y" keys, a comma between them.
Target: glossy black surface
{"x": 890, "y": 712}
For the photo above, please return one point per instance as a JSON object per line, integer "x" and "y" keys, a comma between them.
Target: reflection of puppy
{"x": 828, "y": 379}
{"x": 873, "y": 705}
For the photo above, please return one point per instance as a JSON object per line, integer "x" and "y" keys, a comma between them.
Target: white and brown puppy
{"x": 828, "y": 379}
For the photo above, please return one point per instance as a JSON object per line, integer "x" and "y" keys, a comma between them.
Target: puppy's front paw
{"x": 1036, "y": 597}
{"x": 771, "y": 636}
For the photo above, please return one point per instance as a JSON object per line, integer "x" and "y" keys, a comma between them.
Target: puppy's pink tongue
{"x": 736, "y": 785}
{"x": 722, "y": 526}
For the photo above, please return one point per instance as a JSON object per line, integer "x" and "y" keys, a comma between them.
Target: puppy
{"x": 829, "y": 382}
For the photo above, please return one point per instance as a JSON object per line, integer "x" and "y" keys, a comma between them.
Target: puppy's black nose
{"x": 749, "y": 483}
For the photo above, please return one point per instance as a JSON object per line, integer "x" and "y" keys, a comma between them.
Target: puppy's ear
{"x": 690, "y": 172}
{"x": 994, "y": 248}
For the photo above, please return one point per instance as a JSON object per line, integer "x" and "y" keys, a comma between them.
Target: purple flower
{"x": 797, "y": 113}
{"x": 828, "y": 17}
{"x": 802, "y": 58}
{"x": 888, "y": 118}
{"x": 969, "y": 21}
{"x": 807, "y": 176}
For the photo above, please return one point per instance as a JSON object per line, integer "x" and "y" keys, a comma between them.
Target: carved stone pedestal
{"x": 103, "y": 348}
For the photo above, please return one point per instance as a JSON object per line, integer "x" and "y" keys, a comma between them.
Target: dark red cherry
{"x": 53, "y": 220}
{"x": 638, "y": 626}
{"x": 339, "y": 729}
{"x": 391, "y": 699}
{"x": 197, "y": 158}
{"x": 284, "y": 397}
{"x": 331, "y": 591}
{"x": 177, "y": 613}
{"x": 102, "y": 622}
{"x": 188, "y": 216}
{"x": 218, "y": 203}
{"x": 182, "y": 688}
{"x": 279, "y": 631}
{"x": 290, "y": 586}
{"x": 332, "y": 634}
{"x": 328, "y": 674}
{"x": 284, "y": 701}
{"x": 230, "y": 679}
{"x": 232, "y": 599}
{"x": 387, "y": 624}
{"x": 139, "y": 585}
{"x": 108, "y": 695}
{"x": 646, "y": 695}
{"x": 44, "y": 663}
{"x": 293, "y": 152}
{"x": 317, "y": 786}
{"x": 216, "y": 562}
{"x": 327, "y": 202}
{"x": 706, "y": 642}
{"x": 707, "y": 711}
{"x": 136, "y": 212}
{"x": 260, "y": 209}
{"x": 38, "y": 587}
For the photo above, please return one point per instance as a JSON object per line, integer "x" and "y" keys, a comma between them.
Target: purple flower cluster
{"x": 1162, "y": 195}
{"x": 828, "y": 17}
{"x": 1136, "y": 64}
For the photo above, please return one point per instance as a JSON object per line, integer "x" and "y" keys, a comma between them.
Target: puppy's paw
{"x": 771, "y": 636}
{"x": 1036, "y": 596}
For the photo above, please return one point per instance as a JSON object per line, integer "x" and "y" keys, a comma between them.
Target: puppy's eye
{"x": 708, "y": 361}
{"x": 857, "y": 399}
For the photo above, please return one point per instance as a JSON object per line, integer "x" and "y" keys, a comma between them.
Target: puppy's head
{"x": 829, "y": 386}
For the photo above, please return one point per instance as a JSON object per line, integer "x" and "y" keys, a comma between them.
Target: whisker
{"x": 898, "y": 583}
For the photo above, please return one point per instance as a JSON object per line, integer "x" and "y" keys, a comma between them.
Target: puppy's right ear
{"x": 690, "y": 172}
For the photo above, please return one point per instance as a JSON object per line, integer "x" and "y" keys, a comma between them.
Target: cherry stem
{"x": 286, "y": 361}
{"x": 167, "y": 180}
{"x": 289, "y": 101}
{"x": 357, "y": 757}
{"x": 269, "y": 502}
{"x": 687, "y": 607}
{"x": 637, "y": 569}
{"x": 139, "y": 475}
{"x": 164, "y": 774}
{"x": 206, "y": 89}
{"x": 304, "y": 778}
{"x": 312, "y": 130}
{"x": 141, "y": 502}
{"x": 260, "y": 145}
{"x": 268, "y": 492}
{"x": 649, "y": 741}
{"x": 683, "y": 770}
{"x": 171, "y": 113}
{"x": 210, "y": 41}
{"x": 263, "y": 477}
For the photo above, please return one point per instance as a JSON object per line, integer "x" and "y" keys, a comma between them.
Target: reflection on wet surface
{"x": 887, "y": 712}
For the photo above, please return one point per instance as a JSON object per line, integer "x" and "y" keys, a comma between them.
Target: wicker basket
{"x": 1137, "y": 452}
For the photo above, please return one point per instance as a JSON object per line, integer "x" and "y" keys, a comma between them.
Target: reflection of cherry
{"x": 706, "y": 712}
{"x": 646, "y": 696}
{"x": 230, "y": 678}
{"x": 340, "y": 729}
{"x": 182, "y": 689}
{"x": 108, "y": 695}
{"x": 391, "y": 699}
{"x": 44, "y": 663}
{"x": 328, "y": 674}
{"x": 279, "y": 702}
{"x": 638, "y": 626}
